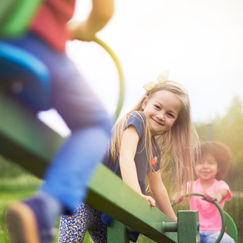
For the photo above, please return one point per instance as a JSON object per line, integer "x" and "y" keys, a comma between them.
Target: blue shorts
{"x": 212, "y": 236}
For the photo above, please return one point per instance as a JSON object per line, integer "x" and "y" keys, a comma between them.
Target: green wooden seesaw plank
{"x": 121, "y": 202}
{"x": 27, "y": 141}
{"x": 24, "y": 139}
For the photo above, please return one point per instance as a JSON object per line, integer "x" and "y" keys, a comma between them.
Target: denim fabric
{"x": 212, "y": 236}
{"x": 44, "y": 228}
{"x": 73, "y": 166}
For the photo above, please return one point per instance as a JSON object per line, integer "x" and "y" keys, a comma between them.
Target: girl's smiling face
{"x": 207, "y": 168}
{"x": 161, "y": 109}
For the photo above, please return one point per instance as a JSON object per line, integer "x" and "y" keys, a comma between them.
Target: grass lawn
{"x": 11, "y": 190}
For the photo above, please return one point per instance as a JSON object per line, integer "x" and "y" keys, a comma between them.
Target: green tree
{"x": 229, "y": 130}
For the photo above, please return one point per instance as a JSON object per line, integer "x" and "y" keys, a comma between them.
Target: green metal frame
{"x": 120, "y": 73}
{"x": 231, "y": 228}
{"x": 27, "y": 141}
{"x": 228, "y": 224}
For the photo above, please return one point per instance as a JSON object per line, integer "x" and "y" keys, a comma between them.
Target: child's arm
{"x": 101, "y": 12}
{"x": 127, "y": 164}
{"x": 219, "y": 196}
{"x": 161, "y": 195}
{"x": 179, "y": 197}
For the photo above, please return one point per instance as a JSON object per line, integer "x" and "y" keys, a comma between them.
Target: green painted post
{"x": 117, "y": 233}
{"x": 169, "y": 227}
{"x": 188, "y": 226}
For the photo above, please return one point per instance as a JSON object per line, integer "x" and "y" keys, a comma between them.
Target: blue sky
{"x": 198, "y": 41}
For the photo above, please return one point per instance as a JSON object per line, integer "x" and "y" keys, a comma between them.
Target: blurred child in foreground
{"x": 67, "y": 178}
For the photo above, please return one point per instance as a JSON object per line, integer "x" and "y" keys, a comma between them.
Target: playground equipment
{"x": 120, "y": 73}
{"x": 24, "y": 86}
{"x": 228, "y": 224}
{"x": 27, "y": 141}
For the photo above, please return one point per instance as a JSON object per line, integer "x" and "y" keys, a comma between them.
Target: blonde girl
{"x": 158, "y": 129}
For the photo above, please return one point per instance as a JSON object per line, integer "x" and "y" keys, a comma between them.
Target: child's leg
{"x": 67, "y": 229}
{"x": 97, "y": 229}
{"x": 78, "y": 160}
{"x": 73, "y": 228}
{"x": 73, "y": 167}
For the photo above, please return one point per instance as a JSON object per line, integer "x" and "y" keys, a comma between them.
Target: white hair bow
{"x": 160, "y": 79}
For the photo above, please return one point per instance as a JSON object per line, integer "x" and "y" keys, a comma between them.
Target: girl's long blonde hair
{"x": 177, "y": 145}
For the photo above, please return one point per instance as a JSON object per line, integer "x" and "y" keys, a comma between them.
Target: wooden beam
{"x": 24, "y": 138}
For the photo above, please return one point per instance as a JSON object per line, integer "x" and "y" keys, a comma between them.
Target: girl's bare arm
{"x": 219, "y": 196}
{"x": 160, "y": 194}
{"x": 127, "y": 154}
{"x": 127, "y": 164}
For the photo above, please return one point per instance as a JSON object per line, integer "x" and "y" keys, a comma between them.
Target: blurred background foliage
{"x": 229, "y": 130}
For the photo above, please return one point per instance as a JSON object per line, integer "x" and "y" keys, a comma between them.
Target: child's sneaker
{"x": 27, "y": 223}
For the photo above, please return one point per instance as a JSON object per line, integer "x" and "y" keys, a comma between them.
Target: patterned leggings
{"x": 73, "y": 228}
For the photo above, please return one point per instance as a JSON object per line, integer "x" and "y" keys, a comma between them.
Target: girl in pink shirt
{"x": 210, "y": 169}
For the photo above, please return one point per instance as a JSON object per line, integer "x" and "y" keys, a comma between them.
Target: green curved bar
{"x": 120, "y": 72}
{"x": 220, "y": 211}
{"x": 231, "y": 228}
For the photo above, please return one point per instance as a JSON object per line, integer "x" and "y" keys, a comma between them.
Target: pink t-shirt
{"x": 209, "y": 216}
